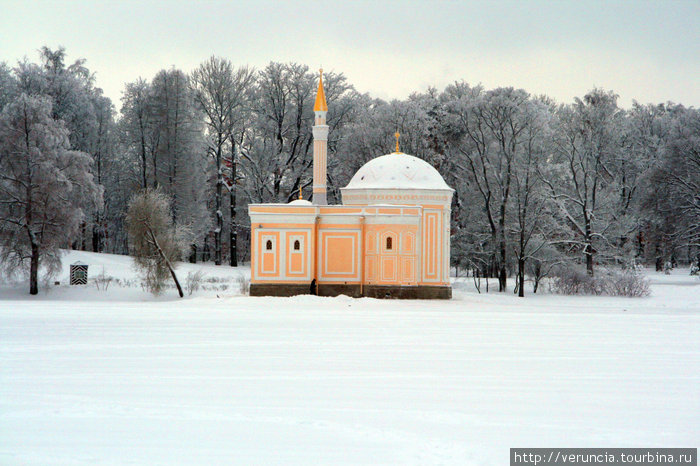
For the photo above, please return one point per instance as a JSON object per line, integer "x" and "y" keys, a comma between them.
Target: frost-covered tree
{"x": 281, "y": 153}
{"x": 181, "y": 168}
{"x": 276, "y": 151}
{"x": 492, "y": 125}
{"x": 617, "y": 183}
{"x": 8, "y": 85}
{"x": 70, "y": 88}
{"x": 581, "y": 179}
{"x": 529, "y": 225}
{"x": 219, "y": 90}
{"x": 645, "y": 134}
{"x": 370, "y": 131}
{"x": 673, "y": 206}
{"x": 161, "y": 135}
{"x": 102, "y": 147}
{"x": 241, "y": 119}
{"x": 120, "y": 184}
{"x": 154, "y": 241}
{"x": 278, "y": 154}
{"x": 139, "y": 134}
{"x": 43, "y": 186}
{"x": 86, "y": 112}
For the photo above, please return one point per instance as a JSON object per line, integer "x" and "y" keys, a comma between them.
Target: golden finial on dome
{"x": 300, "y": 193}
{"x": 396, "y": 135}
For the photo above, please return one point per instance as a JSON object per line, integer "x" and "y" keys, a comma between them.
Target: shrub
{"x": 574, "y": 281}
{"x": 243, "y": 283}
{"x": 695, "y": 268}
{"x": 629, "y": 283}
{"x": 102, "y": 281}
{"x": 194, "y": 281}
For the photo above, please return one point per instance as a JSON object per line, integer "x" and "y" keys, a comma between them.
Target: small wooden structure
{"x": 78, "y": 273}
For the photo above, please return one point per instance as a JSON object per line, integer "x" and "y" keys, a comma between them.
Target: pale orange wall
{"x": 339, "y": 250}
{"x": 297, "y": 264}
{"x": 282, "y": 263}
{"x": 268, "y": 265}
{"x": 395, "y": 266}
{"x": 416, "y": 257}
{"x": 432, "y": 257}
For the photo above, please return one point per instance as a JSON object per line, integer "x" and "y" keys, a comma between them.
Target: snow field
{"x": 93, "y": 378}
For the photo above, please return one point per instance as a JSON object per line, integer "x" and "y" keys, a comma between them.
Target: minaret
{"x": 320, "y": 131}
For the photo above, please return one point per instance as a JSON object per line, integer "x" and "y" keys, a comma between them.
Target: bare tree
{"x": 492, "y": 126}
{"x": 674, "y": 201}
{"x": 182, "y": 169}
{"x": 219, "y": 91}
{"x": 581, "y": 181}
{"x": 529, "y": 199}
{"x": 102, "y": 150}
{"x": 154, "y": 242}
{"x": 136, "y": 125}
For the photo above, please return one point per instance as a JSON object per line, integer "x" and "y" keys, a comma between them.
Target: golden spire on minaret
{"x": 300, "y": 193}
{"x": 396, "y": 135}
{"x": 320, "y": 104}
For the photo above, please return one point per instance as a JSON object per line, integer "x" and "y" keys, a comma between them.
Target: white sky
{"x": 643, "y": 50}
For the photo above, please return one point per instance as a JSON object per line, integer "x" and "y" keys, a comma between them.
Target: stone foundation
{"x": 337, "y": 290}
{"x": 278, "y": 289}
{"x": 370, "y": 291}
{"x": 407, "y": 292}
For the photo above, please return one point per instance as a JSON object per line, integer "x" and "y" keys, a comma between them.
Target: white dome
{"x": 300, "y": 202}
{"x": 397, "y": 171}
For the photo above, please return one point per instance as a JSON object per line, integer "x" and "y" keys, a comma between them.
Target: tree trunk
{"x": 499, "y": 260}
{"x": 193, "y": 254}
{"x": 206, "y": 255}
{"x": 34, "y": 270}
{"x": 167, "y": 262}
{"x": 95, "y": 239}
{"x": 589, "y": 258}
{"x": 219, "y": 215}
{"x": 502, "y": 274}
{"x": 144, "y": 179}
{"x": 177, "y": 283}
{"x": 233, "y": 233}
{"x": 83, "y": 236}
{"x": 588, "y": 250}
{"x": 659, "y": 257}
{"x": 640, "y": 245}
{"x": 521, "y": 277}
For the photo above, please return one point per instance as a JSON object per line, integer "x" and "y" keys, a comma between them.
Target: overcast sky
{"x": 643, "y": 50}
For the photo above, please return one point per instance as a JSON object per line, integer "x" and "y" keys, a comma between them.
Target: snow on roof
{"x": 79, "y": 263}
{"x": 300, "y": 202}
{"x": 399, "y": 171}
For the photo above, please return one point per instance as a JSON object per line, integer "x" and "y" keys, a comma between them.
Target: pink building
{"x": 389, "y": 239}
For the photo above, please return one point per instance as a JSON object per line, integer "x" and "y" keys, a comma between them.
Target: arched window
{"x": 297, "y": 246}
{"x": 388, "y": 242}
{"x": 268, "y": 245}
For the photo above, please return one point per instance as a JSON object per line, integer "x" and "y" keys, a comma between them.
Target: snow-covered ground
{"x": 120, "y": 377}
